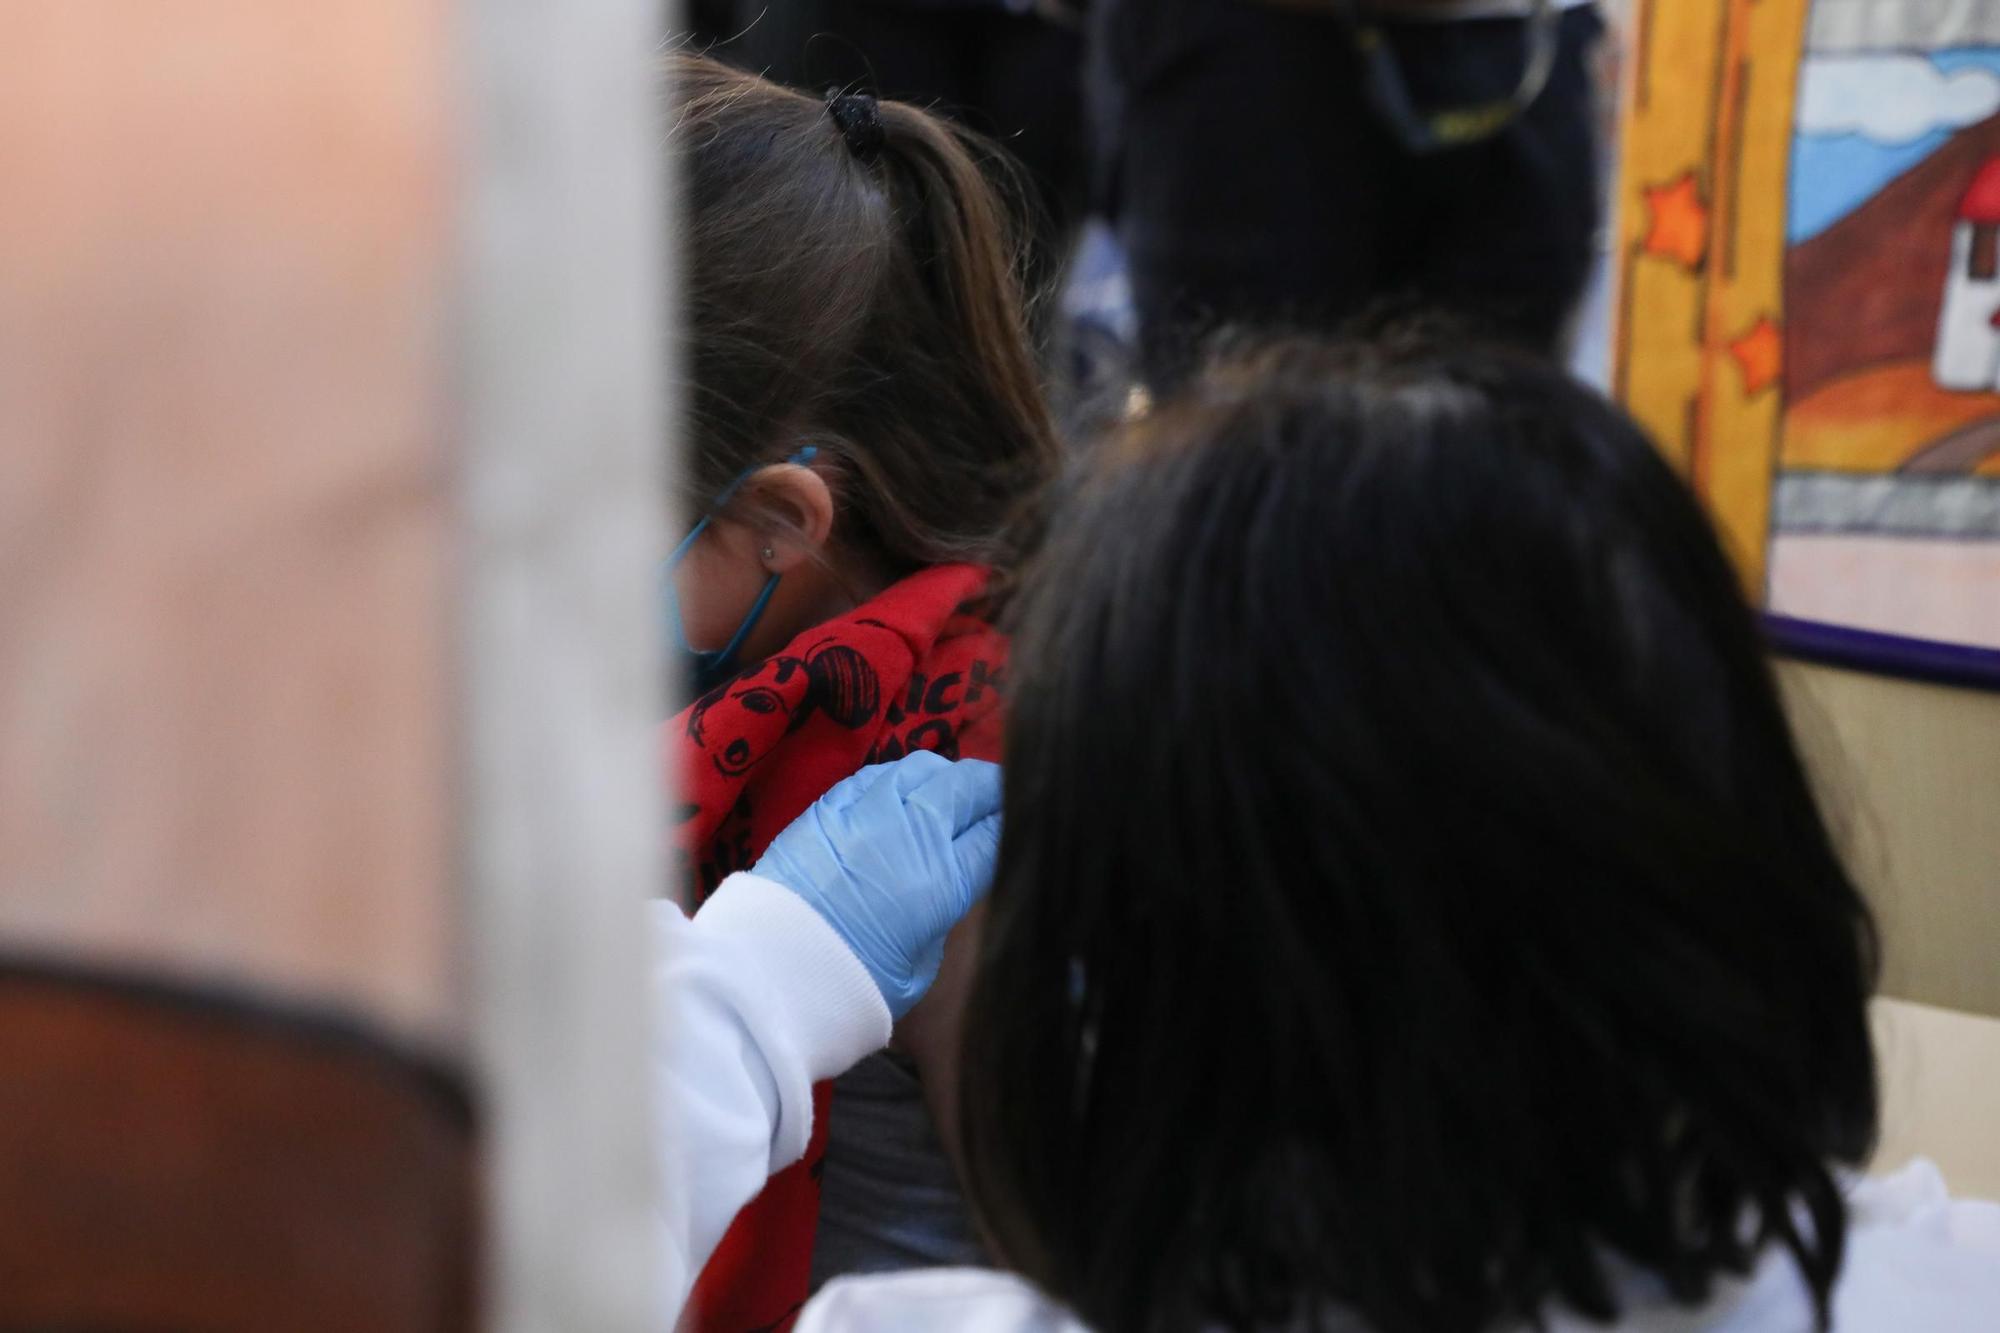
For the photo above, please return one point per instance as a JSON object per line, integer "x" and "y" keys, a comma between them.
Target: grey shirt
{"x": 889, "y": 1197}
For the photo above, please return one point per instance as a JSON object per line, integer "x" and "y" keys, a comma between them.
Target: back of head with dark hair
{"x": 1411, "y": 904}
{"x": 856, "y": 287}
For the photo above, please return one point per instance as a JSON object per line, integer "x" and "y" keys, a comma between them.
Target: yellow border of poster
{"x": 1699, "y": 336}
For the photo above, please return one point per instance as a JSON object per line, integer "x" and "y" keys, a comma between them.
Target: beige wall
{"x": 1913, "y": 772}
{"x": 225, "y": 269}
{"x": 1940, "y": 1073}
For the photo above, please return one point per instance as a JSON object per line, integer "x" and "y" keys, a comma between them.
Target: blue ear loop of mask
{"x": 704, "y": 669}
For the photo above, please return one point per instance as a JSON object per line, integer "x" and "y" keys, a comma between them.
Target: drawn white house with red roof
{"x": 1968, "y": 338}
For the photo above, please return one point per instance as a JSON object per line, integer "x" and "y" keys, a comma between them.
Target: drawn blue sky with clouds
{"x": 1864, "y": 120}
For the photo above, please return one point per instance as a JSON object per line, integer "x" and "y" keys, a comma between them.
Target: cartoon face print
{"x": 736, "y": 725}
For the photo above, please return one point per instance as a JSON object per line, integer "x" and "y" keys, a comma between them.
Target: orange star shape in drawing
{"x": 1678, "y": 229}
{"x": 1760, "y": 355}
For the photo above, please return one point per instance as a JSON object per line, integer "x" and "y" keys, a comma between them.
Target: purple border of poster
{"x": 1887, "y": 654}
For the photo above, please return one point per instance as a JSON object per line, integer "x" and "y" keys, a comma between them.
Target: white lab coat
{"x": 754, "y": 1000}
{"x": 1917, "y": 1262}
{"x": 760, "y": 998}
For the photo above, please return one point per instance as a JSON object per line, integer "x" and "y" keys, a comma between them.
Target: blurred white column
{"x": 564, "y": 295}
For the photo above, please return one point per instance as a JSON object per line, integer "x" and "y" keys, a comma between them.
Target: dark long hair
{"x": 1411, "y": 904}
{"x": 856, "y": 289}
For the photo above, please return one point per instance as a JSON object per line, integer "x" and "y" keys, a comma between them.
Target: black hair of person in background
{"x": 1422, "y": 919}
{"x": 1254, "y": 182}
{"x": 708, "y": 22}
{"x": 1011, "y": 71}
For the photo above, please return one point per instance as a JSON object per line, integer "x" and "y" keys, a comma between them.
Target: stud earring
{"x": 770, "y": 554}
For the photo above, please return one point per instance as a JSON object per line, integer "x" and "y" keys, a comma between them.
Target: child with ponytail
{"x": 865, "y": 433}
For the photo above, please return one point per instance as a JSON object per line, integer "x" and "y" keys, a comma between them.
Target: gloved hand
{"x": 891, "y": 858}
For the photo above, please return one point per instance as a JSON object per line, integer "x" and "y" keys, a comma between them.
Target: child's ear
{"x": 795, "y": 513}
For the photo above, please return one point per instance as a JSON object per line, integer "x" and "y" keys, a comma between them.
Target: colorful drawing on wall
{"x": 1810, "y": 308}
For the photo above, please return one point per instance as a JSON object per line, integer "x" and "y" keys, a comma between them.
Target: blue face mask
{"x": 704, "y": 669}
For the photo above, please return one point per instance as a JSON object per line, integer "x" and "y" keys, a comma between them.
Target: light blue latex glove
{"x": 891, "y": 858}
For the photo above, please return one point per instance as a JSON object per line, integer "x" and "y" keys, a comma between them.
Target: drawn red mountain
{"x": 1866, "y": 291}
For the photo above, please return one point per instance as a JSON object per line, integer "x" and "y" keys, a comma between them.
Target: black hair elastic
{"x": 859, "y": 117}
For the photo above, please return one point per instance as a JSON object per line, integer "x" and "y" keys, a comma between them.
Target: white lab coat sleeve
{"x": 754, "y": 1000}
{"x": 964, "y": 1300}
